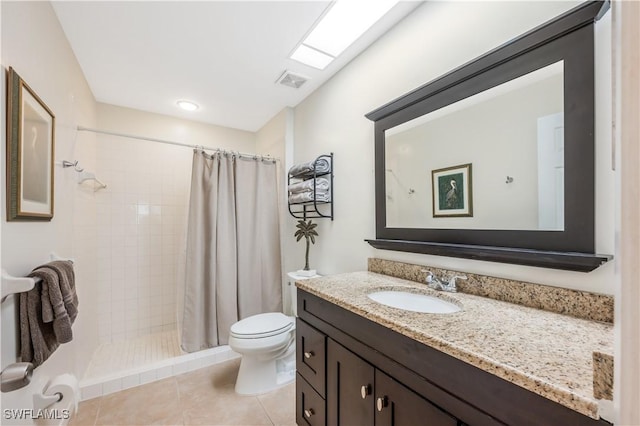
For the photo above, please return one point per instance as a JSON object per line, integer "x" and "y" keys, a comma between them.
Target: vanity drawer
{"x": 310, "y": 406}
{"x": 310, "y": 355}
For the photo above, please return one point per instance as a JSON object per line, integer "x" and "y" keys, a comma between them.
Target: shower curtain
{"x": 233, "y": 247}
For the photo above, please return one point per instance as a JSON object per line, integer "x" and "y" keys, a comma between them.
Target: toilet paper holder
{"x": 42, "y": 401}
{"x": 60, "y": 392}
{"x": 18, "y": 375}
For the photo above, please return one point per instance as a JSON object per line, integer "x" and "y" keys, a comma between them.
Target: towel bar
{"x": 16, "y": 376}
{"x": 11, "y": 284}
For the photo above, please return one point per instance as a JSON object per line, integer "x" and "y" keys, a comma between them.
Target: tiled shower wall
{"x": 141, "y": 218}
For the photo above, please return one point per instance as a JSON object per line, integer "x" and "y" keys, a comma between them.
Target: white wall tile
{"x": 117, "y": 331}
{"x": 210, "y": 359}
{"x": 148, "y": 376}
{"x": 164, "y": 372}
{"x": 141, "y": 219}
{"x": 130, "y": 381}
{"x": 91, "y": 391}
{"x": 111, "y": 386}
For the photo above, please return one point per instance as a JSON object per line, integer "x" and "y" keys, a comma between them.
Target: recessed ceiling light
{"x": 187, "y": 105}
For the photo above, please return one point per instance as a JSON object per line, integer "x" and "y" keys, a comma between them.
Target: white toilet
{"x": 267, "y": 343}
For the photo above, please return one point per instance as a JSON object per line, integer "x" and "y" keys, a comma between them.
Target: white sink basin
{"x": 414, "y": 302}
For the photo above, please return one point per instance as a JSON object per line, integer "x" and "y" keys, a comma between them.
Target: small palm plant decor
{"x": 308, "y": 231}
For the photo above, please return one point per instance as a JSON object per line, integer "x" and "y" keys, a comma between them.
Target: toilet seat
{"x": 262, "y": 325}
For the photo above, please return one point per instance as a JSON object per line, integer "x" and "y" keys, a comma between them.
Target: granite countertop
{"x": 547, "y": 353}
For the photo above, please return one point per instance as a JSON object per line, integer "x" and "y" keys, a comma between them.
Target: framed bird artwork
{"x": 452, "y": 191}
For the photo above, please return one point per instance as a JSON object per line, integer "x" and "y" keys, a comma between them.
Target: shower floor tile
{"x": 201, "y": 397}
{"x": 133, "y": 353}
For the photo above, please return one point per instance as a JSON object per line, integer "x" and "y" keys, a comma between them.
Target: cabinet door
{"x": 397, "y": 405}
{"x": 349, "y": 388}
{"x": 310, "y": 353}
{"x": 310, "y": 407}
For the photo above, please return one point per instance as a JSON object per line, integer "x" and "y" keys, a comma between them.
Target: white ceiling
{"x": 224, "y": 55}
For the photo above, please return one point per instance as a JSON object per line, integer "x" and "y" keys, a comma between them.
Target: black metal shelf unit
{"x": 314, "y": 208}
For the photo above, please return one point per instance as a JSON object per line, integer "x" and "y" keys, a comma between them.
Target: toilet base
{"x": 258, "y": 375}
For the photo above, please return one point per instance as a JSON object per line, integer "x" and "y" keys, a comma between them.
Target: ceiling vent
{"x": 292, "y": 79}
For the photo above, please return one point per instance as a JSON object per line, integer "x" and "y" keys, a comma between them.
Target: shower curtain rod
{"x": 168, "y": 142}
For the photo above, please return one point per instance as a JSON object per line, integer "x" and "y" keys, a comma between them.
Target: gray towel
{"x": 64, "y": 269}
{"x": 37, "y": 338}
{"x": 48, "y": 311}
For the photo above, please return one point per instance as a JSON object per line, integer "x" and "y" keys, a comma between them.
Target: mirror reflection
{"x": 494, "y": 160}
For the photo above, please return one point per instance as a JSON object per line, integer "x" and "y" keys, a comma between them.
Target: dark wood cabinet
{"x": 311, "y": 377}
{"x": 350, "y": 382}
{"x": 364, "y": 374}
{"x": 396, "y": 405}
{"x": 359, "y": 394}
{"x": 310, "y": 354}
{"x": 310, "y": 406}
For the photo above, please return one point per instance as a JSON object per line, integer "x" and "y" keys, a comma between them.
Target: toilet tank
{"x": 289, "y": 305}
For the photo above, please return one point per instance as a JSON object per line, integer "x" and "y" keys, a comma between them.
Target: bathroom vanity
{"x": 492, "y": 363}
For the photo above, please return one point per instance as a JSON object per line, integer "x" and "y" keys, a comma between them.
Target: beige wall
{"x": 34, "y": 44}
{"x": 151, "y": 125}
{"x": 436, "y": 38}
{"x": 627, "y": 65}
{"x": 275, "y": 139}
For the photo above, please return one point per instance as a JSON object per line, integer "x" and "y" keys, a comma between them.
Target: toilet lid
{"x": 262, "y": 325}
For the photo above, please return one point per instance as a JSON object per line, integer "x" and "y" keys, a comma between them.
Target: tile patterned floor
{"x": 201, "y": 397}
{"x": 133, "y": 353}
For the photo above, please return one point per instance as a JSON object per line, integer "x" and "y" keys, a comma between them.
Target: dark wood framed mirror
{"x": 522, "y": 118}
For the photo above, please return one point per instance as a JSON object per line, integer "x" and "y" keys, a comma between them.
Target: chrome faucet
{"x": 435, "y": 283}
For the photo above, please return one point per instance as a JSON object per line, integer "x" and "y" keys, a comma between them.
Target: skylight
{"x": 312, "y": 57}
{"x": 343, "y": 24}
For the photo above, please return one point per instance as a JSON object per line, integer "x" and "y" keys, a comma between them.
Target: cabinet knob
{"x": 309, "y": 354}
{"x": 309, "y": 412}
{"x": 381, "y": 403}
{"x": 365, "y": 390}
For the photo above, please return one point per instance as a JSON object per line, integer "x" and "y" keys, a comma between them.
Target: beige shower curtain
{"x": 233, "y": 247}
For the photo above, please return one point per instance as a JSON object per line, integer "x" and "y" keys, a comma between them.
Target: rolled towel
{"x": 303, "y": 197}
{"x": 322, "y": 184}
{"x": 321, "y": 165}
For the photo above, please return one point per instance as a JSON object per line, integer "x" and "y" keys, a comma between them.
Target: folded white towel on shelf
{"x": 321, "y": 184}
{"x": 303, "y": 197}
{"x": 321, "y": 165}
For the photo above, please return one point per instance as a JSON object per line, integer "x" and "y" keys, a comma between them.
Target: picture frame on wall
{"x": 30, "y": 153}
{"x": 452, "y": 194}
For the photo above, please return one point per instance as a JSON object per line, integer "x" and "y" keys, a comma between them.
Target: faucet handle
{"x": 452, "y": 280}
{"x": 430, "y": 276}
